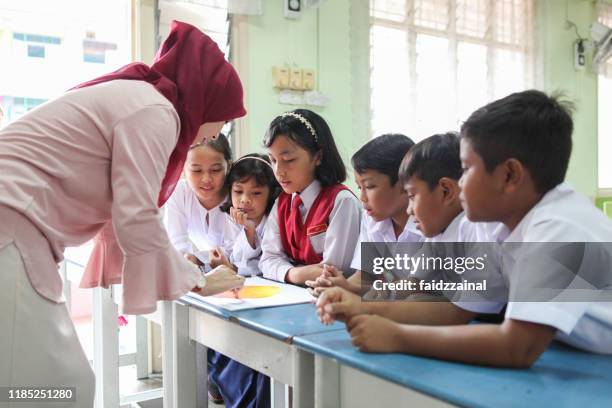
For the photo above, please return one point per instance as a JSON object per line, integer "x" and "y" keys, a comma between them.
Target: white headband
{"x": 305, "y": 122}
{"x": 251, "y": 157}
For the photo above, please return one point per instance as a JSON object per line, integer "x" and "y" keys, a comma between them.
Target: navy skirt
{"x": 241, "y": 386}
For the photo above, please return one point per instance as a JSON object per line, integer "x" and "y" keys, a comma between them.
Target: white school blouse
{"x": 241, "y": 253}
{"x": 382, "y": 231}
{"x": 562, "y": 215}
{"x": 188, "y": 222}
{"x": 336, "y": 244}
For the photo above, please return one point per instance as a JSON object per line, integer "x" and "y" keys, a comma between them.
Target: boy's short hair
{"x": 431, "y": 159}
{"x": 383, "y": 154}
{"x": 530, "y": 126}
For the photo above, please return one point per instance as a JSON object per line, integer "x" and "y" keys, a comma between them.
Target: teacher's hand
{"x": 221, "y": 279}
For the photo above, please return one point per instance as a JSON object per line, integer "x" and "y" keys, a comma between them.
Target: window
{"x": 51, "y": 46}
{"x": 210, "y": 16}
{"x": 604, "y": 103}
{"x": 445, "y": 58}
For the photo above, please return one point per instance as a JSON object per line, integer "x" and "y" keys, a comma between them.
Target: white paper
{"x": 288, "y": 295}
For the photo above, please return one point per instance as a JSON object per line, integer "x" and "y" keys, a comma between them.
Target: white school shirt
{"x": 241, "y": 253}
{"x": 562, "y": 215}
{"x": 336, "y": 244}
{"x": 459, "y": 231}
{"x": 382, "y": 231}
{"x": 186, "y": 222}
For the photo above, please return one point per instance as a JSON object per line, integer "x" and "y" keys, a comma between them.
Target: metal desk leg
{"x": 279, "y": 394}
{"x": 106, "y": 348}
{"x": 167, "y": 353}
{"x": 201, "y": 375}
{"x": 142, "y": 348}
{"x": 303, "y": 379}
{"x": 184, "y": 359}
{"x": 326, "y": 382}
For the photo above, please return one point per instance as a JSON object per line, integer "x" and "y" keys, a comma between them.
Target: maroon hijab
{"x": 190, "y": 70}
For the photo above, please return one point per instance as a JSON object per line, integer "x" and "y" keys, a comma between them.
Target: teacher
{"x": 100, "y": 160}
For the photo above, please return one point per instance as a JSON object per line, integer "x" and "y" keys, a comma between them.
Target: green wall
{"x": 332, "y": 40}
{"x": 558, "y": 73}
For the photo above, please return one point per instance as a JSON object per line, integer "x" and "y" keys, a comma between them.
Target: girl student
{"x": 193, "y": 213}
{"x": 384, "y": 202}
{"x": 253, "y": 190}
{"x": 195, "y": 223}
{"x": 315, "y": 219}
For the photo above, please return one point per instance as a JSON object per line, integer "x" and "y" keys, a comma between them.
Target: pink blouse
{"x": 96, "y": 156}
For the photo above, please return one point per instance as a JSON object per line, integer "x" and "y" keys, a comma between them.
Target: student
{"x": 429, "y": 173}
{"x": 253, "y": 190}
{"x": 193, "y": 212}
{"x": 193, "y": 216}
{"x": 515, "y": 152}
{"x": 384, "y": 201}
{"x": 315, "y": 219}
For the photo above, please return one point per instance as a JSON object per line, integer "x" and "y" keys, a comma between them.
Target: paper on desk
{"x": 288, "y": 295}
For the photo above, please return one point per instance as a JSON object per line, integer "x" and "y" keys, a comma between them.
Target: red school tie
{"x": 296, "y": 220}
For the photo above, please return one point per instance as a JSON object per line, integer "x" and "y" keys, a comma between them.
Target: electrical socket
{"x": 580, "y": 55}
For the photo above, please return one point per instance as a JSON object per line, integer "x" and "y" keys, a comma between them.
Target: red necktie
{"x": 296, "y": 218}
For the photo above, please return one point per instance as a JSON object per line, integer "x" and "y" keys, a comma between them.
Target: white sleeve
{"x": 561, "y": 315}
{"x": 363, "y": 237}
{"x": 153, "y": 270}
{"x": 274, "y": 263}
{"x": 244, "y": 256}
{"x": 342, "y": 233}
{"x": 231, "y": 232}
{"x": 176, "y": 219}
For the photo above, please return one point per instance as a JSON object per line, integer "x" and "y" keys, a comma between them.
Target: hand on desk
{"x": 330, "y": 277}
{"x": 338, "y": 304}
{"x": 221, "y": 279}
{"x": 300, "y": 274}
{"x": 374, "y": 334}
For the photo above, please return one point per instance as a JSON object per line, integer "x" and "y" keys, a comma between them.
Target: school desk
{"x": 345, "y": 377}
{"x": 106, "y": 357}
{"x": 259, "y": 338}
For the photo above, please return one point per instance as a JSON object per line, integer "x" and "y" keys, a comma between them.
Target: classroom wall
{"x": 332, "y": 40}
{"x": 558, "y": 73}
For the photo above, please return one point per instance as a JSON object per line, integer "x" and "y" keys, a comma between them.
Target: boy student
{"x": 430, "y": 174}
{"x": 384, "y": 201}
{"x": 515, "y": 153}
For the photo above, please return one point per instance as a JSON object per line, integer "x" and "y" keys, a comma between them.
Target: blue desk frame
{"x": 268, "y": 331}
{"x": 562, "y": 377}
{"x": 327, "y": 371}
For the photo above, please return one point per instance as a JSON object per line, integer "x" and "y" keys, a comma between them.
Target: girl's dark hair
{"x": 244, "y": 169}
{"x": 220, "y": 144}
{"x": 331, "y": 170}
{"x": 383, "y": 154}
